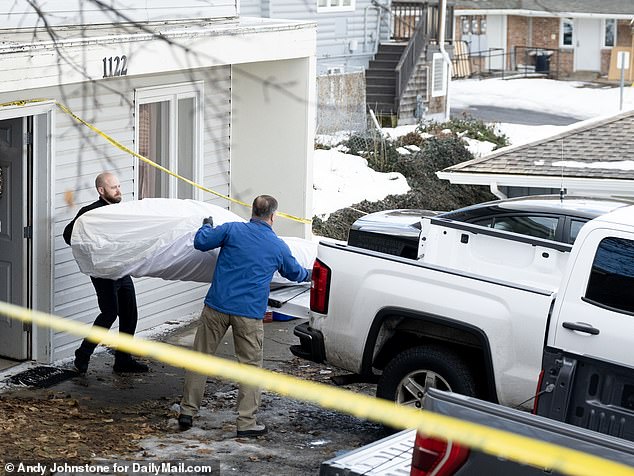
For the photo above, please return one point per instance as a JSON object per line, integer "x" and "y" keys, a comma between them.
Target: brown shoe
{"x": 257, "y": 430}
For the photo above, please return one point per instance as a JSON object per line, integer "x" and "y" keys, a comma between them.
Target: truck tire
{"x": 407, "y": 376}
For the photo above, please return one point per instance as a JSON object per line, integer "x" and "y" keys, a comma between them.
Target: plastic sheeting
{"x": 155, "y": 237}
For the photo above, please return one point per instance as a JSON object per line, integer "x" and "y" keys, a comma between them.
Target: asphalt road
{"x": 514, "y": 116}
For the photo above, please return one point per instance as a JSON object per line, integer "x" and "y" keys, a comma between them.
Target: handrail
{"x": 426, "y": 30}
{"x": 380, "y": 5}
{"x": 381, "y": 8}
{"x": 409, "y": 58}
{"x": 520, "y": 61}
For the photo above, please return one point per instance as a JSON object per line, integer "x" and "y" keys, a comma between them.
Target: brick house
{"x": 575, "y": 35}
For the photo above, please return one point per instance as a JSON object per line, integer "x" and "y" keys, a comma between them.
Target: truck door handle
{"x": 581, "y": 327}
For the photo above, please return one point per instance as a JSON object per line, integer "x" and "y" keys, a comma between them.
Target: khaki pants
{"x": 248, "y": 335}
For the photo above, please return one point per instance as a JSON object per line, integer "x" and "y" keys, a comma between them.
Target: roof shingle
{"x": 601, "y": 148}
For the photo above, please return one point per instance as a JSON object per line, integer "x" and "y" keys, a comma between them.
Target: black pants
{"x": 115, "y": 298}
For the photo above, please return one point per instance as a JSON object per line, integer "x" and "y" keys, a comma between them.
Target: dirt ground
{"x": 107, "y": 417}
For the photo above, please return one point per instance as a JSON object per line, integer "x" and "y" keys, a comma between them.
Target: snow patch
{"x": 339, "y": 180}
{"x": 478, "y": 148}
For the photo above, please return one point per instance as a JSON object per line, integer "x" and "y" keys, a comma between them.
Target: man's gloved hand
{"x": 310, "y": 275}
{"x": 208, "y": 221}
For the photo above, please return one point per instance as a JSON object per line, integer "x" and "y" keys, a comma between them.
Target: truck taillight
{"x": 320, "y": 288}
{"x": 538, "y": 392}
{"x": 437, "y": 457}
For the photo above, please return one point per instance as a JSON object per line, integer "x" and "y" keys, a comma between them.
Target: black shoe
{"x": 81, "y": 362}
{"x": 130, "y": 366}
{"x": 185, "y": 422}
{"x": 257, "y": 430}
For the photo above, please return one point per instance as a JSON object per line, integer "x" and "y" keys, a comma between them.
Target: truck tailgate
{"x": 391, "y": 456}
{"x": 290, "y": 301}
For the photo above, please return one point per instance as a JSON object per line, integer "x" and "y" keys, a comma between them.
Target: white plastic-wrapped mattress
{"x": 155, "y": 237}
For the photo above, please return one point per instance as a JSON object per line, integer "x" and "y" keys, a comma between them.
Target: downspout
{"x": 377, "y": 34}
{"x": 365, "y": 26}
{"x": 445, "y": 55}
{"x": 493, "y": 186}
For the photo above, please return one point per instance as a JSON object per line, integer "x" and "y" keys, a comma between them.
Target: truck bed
{"x": 392, "y": 455}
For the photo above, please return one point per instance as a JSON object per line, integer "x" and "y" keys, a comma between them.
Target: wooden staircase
{"x": 380, "y": 77}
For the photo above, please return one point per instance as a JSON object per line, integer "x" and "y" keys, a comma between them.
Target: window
{"x": 168, "y": 125}
{"x": 485, "y": 222}
{"x": 474, "y": 25}
{"x": 537, "y": 226}
{"x": 612, "y": 276}
{"x": 466, "y": 26}
{"x": 609, "y": 33}
{"x": 567, "y": 31}
{"x": 575, "y": 228}
{"x": 335, "y": 5}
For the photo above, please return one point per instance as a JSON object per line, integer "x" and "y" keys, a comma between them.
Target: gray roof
{"x": 593, "y": 149}
{"x": 614, "y": 7}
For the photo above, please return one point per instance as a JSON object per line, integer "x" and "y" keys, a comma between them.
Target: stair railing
{"x": 409, "y": 59}
{"x": 426, "y": 31}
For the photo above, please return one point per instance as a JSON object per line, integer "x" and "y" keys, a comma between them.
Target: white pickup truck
{"x": 471, "y": 313}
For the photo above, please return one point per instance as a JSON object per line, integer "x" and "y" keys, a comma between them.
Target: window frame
{"x": 586, "y": 292}
{"x": 561, "y": 33}
{"x": 516, "y": 217}
{"x": 571, "y": 223}
{"x": 171, "y": 94}
{"x": 336, "y": 9}
{"x": 604, "y": 23}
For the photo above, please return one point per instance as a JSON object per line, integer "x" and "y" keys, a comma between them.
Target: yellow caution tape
{"x": 495, "y": 442}
{"x": 127, "y": 150}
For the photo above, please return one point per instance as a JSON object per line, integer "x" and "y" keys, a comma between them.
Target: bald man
{"x": 249, "y": 255}
{"x": 115, "y": 297}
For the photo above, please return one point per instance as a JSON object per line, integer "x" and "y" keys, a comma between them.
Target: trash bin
{"x": 542, "y": 63}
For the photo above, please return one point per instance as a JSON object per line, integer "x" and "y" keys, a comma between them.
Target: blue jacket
{"x": 249, "y": 256}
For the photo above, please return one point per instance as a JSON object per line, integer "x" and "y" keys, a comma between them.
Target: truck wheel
{"x": 407, "y": 376}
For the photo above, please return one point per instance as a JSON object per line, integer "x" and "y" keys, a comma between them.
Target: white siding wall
{"x": 79, "y": 155}
{"x": 252, "y": 8}
{"x": 20, "y": 14}
{"x": 335, "y": 31}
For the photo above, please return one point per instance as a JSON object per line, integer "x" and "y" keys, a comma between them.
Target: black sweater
{"x": 68, "y": 231}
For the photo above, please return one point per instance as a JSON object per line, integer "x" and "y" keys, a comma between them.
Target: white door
{"x": 496, "y": 39}
{"x": 596, "y": 317}
{"x": 13, "y": 338}
{"x": 588, "y": 44}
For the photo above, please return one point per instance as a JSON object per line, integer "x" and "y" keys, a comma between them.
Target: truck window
{"x": 575, "y": 228}
{"x": 611, "y": 281}
{"x": 538, "y": 226}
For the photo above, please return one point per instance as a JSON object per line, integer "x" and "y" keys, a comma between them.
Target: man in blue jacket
{"x": 250, "y": 253}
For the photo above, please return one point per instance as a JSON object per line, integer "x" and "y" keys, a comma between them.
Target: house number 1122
{"x": 115, "y": 66}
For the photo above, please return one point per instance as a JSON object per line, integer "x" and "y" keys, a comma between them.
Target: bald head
{"x": 108, "y": 187}
{"x": 264, "y": 208}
